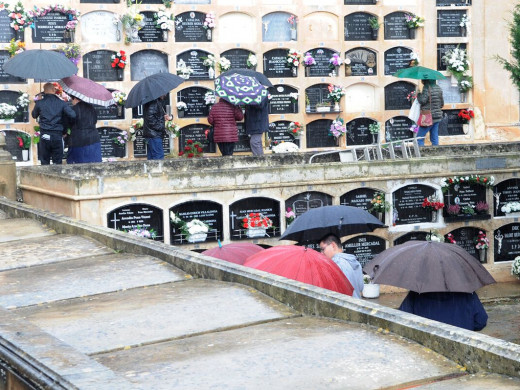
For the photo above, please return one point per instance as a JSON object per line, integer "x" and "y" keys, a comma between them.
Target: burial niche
{"x": 407, "y": 204}
{"x": 132, "y": 216}
{"x": 451, "y": 123}
{"x": 395, "y": 26}
{"x": 322, "y": 67}
{"x": 6, "y": 32}
{"x": 195, "y": 60}
{"x": 411, "y": 236}
{"x": 6, "y": 78}
{"x": 358, "y": 132}
{"x": 109, "y": 146}
{"x": 357, "y": 27}
{"x": 12, "y": 145}
{"x": 99, "y": 26}
{"x": 49, "y": 28}
{"x": 360, "y": 198}
{"x": 146, "y": 63}
{"x": 97, "y": 66}
{"x": 507, "y": 242}
{"x": 398, "y": 128}
{"x": 195, "y": 99}
{"x": 237, "y": 27}
{"x": 13, "y": 98}
{"x": 276, "y": 27}
{"x": 196, "y": 133}
{"x": 363, "y": 62}
{"x": 505, "y": 193}
{"x": 276, "y": 65}
{"x": 240, "y": 210}
{"x": 442, "y": 49}
{"x": 318, "y": 135}
{"x": 317, "y": 96}
{"x": 449, "y": 23}
{"x": 365, "y": 247}
{"x": 189, "y": 27}
{"x": 237, "y": 58}
{"x": 205, "y": 211}
{"x": 278, "y": 132}
{"x": 465, "y": 238}
{"x": 397, "y": 58}
{"x": 305, "y": 201}
{"x": 284, "y": 99}
{"x": 396, "y": 95}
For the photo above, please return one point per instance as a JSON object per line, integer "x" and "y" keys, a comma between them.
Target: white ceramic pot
{"x": 197, "y": 237}
{"x": 256, "y": 232}
{"x": 25, "y": 154}
{"x": 371, "y": 290}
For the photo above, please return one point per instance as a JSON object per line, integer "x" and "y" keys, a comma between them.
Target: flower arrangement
{"x": 468, "y": 210}
{"x": 335, "y": 60}
{"x": 295, "y": 129}
{"x": 132, "y": 130}
{"x": 453, "y": 209}
{"x": 184, "y": 70}
{"x": 209, "y": 21}
{"x": 335, "y": 92}
{"x": 132, "y": 22}
{"x": 23, "y": 100}
{"x": 210, "y": 61}
{"x": 251, "y": 61}
{"x": 14, "y": 47}
{"x": 195, "y": 226}
{"x": 374, "y": 23}
{"x": 308, "y": 59}
{"x": 119, "y": 97}
{"x": 374, "y": 127}
{"x": 253, "y": 220}
{"x": 293, "y": 21}
{"x": 464, "y": 21}
{"x": 285, "y": 147}
{"x": 413, "y": 20}
{"x": 72, "y": 51}
{"x": 338, "y": 127}
{"x": 481, "y": 207}
{"x": 466, "y": 115}
{"x": 450, "y": 239}
{"x": 432, "y": 203}
{"x": 72, "y": 14}
{"x": 481, "y": 242}
{"x": 515, "y": 267}
{"x": 24, "y": 140}
{"x": 289, "y": 215}
{"x": 293, "y": 96}
{"x": 121, "y": 139}
{"x": 173, "y": 129}
{"x": 118, "y": 60}
{"x": 19, "y": 18}
{"x": 192, "y": 149}
{"x": 181, "y": 106}
{"x": 457, "y": 64}
{"x": 294, "y": 58}
{"x": 7, "y": 111}
{"x": 414, "y": 128}
{"x": 411, "y": 96}
{"x": 447, "y": 182}
{"x": 414, "y": 59}
{"x": 140, "y": 231}
{"x": 224, "y": 64}
{"x": 164, "y": 20}
{"x": 210, "y": 98}
{"x": 510, "y": 207}
{"x": 465, "y": 83}
{"x": 434, "y": 236}
{"x": 378, "y": 203}
{"x": 36, "y": 135}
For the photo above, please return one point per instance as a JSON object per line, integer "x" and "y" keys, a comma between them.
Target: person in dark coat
{"x": 84, "y": 141}
{"x": 154, "y": 118}
{"x": 431, "y": 89}
{"x": 257, "y": 123}
{"x": 454, "y": 308}
{"x": 51, "y": 112}
{"x": 223, "y": 116}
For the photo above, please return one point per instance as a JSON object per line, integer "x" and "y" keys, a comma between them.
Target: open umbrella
{"x": 316, "y": 223}
{"x": 419, "y": 73}
{"x": 235, "y": 253}
{"x": 152, "y": 87}
{"x": 238, "y": 89}
{"x": 428, "y": 266}
{"x": 40, "y": 64}
{"x": 302, "y": 264}
{"x": 262, "y": 79}
{"x": 87, "y": 90}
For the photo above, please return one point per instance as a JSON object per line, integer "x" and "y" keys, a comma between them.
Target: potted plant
{"x": 140, "y": 231}
{"x": 481, "y": 207}
{"x": 24, "y": 142}
{"x": 453, "y": 210}
{"x": 289, "y": 216}
{"x": 432, "y": 203}
{"x": 468, "y": 210}
{"x": 307, "y": 103}
{"x": 192, "y": 149}
{"x": 181, "y": 107}
{"x": 209, "y": 24}
{"x": 334, "y": 63}
{"x": 295, "y": 129}
{"x": 251, "y": 61}
{"x": 482, "y": 244}
{"x": 256, "y": 225}
{"x": 413, "y": 22}
{"x": 335, "y": 94}
{"x": 370, "y": 290}
{"x": 374, "y": 128}
{"x": 294, "y": 59}
{"x": 515, "y": 267}
{"x": 165, "y": 22}
{"x": 379, "y": 204}
{"x": 308, "y": 61}
{"x": 7, "y": 113}
{"x": 293, "y": 21}
{"x": 119, "y": 63}
{"x": 374, "y": 25}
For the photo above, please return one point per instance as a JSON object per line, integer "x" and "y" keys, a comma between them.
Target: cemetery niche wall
{"x": 195, "y": 99}
{"x": 208, "y": 212}
{"x": 278, "y": 132}
{"x": 97, "y": 66}
{"x": 358, "y": 132}
{"x": 365, "y": 247}
{"x": 318, "y": 134}
{"x": 137, "y": 216}
{"x": 241, "y": 209}
{"x": 110, "y": 148}
{"x": 506, "y": 242}
{"x": 189, "y": 27}
{"x": 398, "y": 128}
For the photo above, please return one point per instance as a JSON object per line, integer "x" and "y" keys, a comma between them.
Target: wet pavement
{"x": 107, "y": 320}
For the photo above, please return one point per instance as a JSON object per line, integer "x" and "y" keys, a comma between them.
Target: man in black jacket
{"x": 51, "y": 111}
{"x": 154, "y": 117}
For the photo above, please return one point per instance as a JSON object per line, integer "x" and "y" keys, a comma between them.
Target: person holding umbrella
{"x": 223, "y": 116}
{"x": 431, "y": 98}
{"x": 257, "y": 123}
{"x": 154, "y": 118}
{"x": 84, "y": 141}
{"x": 50, "y": 111}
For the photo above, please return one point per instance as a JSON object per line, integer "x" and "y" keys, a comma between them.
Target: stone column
{"x": 7, "y": 172}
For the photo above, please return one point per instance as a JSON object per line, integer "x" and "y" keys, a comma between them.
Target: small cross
{"x": 115, "y": 220}
{"x": 232, "y": 216}
{"x": 87, "y": 62}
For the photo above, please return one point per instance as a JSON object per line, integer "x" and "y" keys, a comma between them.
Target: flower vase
{"x": 463, "y": 97}
{"x": 463, "y": 31}
{"x": 120, "y": 73}
{"x": 308, "y": 108}
{"x": 293, "y": 34}
{"x": 336, "y": 106}
{"x": 482, "y": 255}
{"x": 211, "y": 73}
{"x": 180, "y": 113}
{"x": 348, "y": 70}
{"x": 256, "y": 232}
{"x": 197, "y": 237}
{"x": 411, "y": 33}
{"x": 165, "y": 35}
{"x": 25, "y": 154}
{"x": 371, "y": 290}
{"x": 380, "y": 215}
{"x": 434, "y": 216}
{"x": 68, "y": 36}
{"x": 454, "y": 81}
{"x": 465, "y": 128}
{"x": 307, "y": 71}
{"x": 119, "y": 110}
{"x": 294, "y": 71}
{"x": 208, "y": 34}
{"x": 375, "y": 33}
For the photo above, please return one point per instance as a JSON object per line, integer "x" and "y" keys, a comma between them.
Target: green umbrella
{"x": 419, "y": 73}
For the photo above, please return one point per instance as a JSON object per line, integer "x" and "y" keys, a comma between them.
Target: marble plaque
{"x": 194, "y": 59}
{"x": 240, "y": 209}
{"x": 357, "y": 27}
{"x": 97, "y": 66}
{"x": 275, "y": 64}
{"x": 146, "y": 63}
{"x": 407, "y": 204}
{"x": 278, "y": 133}
{"x": 361, "y": 97}
{"x": 318, "y": 134}
{"x": 237, "y": 27}
{"x": 281, "y": 101}
{"x": 131, "y": 216}
{"x": 398, "y": 128}
{"x": 360, "y": 198}
{"x": 363, "y": 62}
{"x": 395, "y": 26}
{"x": 451, "y": 123}
{"x": 504, "y": 192}
{"x": 450, "y": 93}
{"x": 98, "y": 26}
{"x": 317, "y": 93}
{"x": 275, "y": 27}
{"x": 150, "y": 32}
{"x": 322, "y": 68}
{"x": 196, "y": 132}
{"x": 365, "y": 247}
{"x": 358, "y": 133}
{"x": 465, "y": 238}
{"x": 237, "y": 57}
{"x": 194, "y": 99}
{"x": 189, "y": 27}
{"x": 507, "y": 242}
{"x": 49, "y": 28}
{"x": 6, "y": 32}
{"x": 397, "y": 58}
{"x": 442, "y": 49}
{"x": 206, "y": 211}
{"x": 448, "y": 23}
{"x": 395, "y": 95}
{"x": 108, "y": 147}
{"x": 305, "y": 201}
{"x": 451, "y": 3}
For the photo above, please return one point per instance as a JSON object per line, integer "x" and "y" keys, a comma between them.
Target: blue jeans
{"x": 434, "y": 134}
{"x": 154, "y": 150}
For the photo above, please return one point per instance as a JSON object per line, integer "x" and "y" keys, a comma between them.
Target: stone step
{"x": 22, "y": 229}
{"x": 81, "y": 277}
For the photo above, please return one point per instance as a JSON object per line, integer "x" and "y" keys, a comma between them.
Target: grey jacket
{"x": 437, "y": 101}
{"x": 352, "y": 270}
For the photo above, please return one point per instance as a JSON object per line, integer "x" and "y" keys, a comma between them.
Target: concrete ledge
{"x": 470, "y": 349}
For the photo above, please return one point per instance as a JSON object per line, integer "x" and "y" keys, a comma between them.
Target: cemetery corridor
{"x": 90, "y": 317}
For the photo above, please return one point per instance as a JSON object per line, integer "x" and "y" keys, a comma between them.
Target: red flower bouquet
{"x": 192, "y": 149}
{"x": 254, "y": 220}
{"x": 119, "y": 59}
{"x": 431, "y": 203}
{"x": 466, "y": 115}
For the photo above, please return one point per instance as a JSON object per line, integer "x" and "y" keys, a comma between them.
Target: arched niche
{"x": 411, "y": 236}
{"x": 276, "y": 27}
{"x": 320, "y": 24}
{"x": 357, "y": 27}
{"x": 363, "y": 62}
{"x": 194, "y": 98}
{"x": 364, "y": 246}
{"x": 237, "y": 57}
{"x": 302, "y": 202}
{"x": 145, "y": 63}
{"x": 236, "y": 27}
{"x": 317, "y": 134}
{"x": 360, "y": 197}
{"x": 358, "y": 132}
{"x": 132, "y": 215}
{"x": 240, "y": 209}
{"x": 505, "y": 192}
{"x": 361, "y": 97}
{"x": 465, "y": 238}
{"x": 206, "y": 211}
{"x": 97, "y": 65}
{"x": 398, "y": 128}
{"x": 407, "y": 204}
{"x": 506, "y": 242}
{"x": 396, "y": 95}
{"x": 278, "y": 132}
{"x": 195, "y": 60}
{"x": 397, "y": 58}
{"x": 98, "y": 26}
{"x": 284, "y": 99}
{"x": 12, "y": 98}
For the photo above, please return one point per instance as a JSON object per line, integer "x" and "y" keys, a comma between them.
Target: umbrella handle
{"x": 219, "y": 243}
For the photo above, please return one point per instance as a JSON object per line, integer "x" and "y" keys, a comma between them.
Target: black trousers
{"x": 226, "y": 148}
{"x": 51, "y": 149}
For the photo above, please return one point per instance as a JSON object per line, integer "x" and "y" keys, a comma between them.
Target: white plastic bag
{"x": 415, "y": 111}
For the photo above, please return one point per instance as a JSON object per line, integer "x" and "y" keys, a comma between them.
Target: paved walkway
{"x": 106, "y": 320}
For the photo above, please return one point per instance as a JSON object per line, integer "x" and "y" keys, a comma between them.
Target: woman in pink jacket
{"x": 223, "y": 116}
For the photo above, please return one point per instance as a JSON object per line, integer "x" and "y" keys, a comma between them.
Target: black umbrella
{"x": 40, "y": 64}
{"x": 428, "y": 266}
{"x": 152, "y": 87}
{"x": 316, "y": 223}
{"x": 251, "y": 73}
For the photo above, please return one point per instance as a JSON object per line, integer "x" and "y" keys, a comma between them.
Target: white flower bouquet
{"x": 164, "y": 20}
{"x": 7, "y": 111}
{"x": 210, "y": 98}
{"x": 251, "y": 61}
{"x": 181, "y": 106}
{"x": 515, "y": 267}
{"x": 184, "y": 70}
{"x": 23, "y": 100}
{"x": 510, "y": 207}
{"x": 285, "y": 147}
{"x": 224, "y": 64}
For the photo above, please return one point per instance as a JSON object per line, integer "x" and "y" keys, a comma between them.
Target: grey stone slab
{"x": 145, "y": 315}
{"x": 504, "y": 321}
{"x": 82, "y": 277}
{"x": 299, "y": 353}
{"x": 479, "y": 381}
{"x": 50, "y": 249}
{"x": 20, "y": 229}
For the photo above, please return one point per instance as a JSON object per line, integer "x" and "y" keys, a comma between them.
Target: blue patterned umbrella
{"x": 239, "y": 89}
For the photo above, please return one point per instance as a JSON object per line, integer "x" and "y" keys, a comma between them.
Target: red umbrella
{"x": 303, "y": 264}
{"x": 87, "y": 90}
{"x": 235, "y": 253}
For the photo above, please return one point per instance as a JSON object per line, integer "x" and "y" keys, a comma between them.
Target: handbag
{"x": 415, "y": 111}
{"x": 425, "y": 117}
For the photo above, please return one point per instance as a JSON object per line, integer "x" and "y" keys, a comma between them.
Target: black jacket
{"x": 83, "y": 128}
{"x": 153, "y": 119}
{"x": 257, "y": 118}
{"x": 437, "y": 101}
{"x": 52, "y": 112}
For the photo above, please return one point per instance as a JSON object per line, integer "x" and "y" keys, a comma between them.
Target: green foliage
{"x": 513, "y": 67}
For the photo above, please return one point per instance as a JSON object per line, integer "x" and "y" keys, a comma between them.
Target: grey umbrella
{"x": 316, "y": 223}
{"x": 40, "y": 64}
{"x": 427, "y": 266}
{"x": 152, "y": 87}
{"x": 251, "y": 73}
